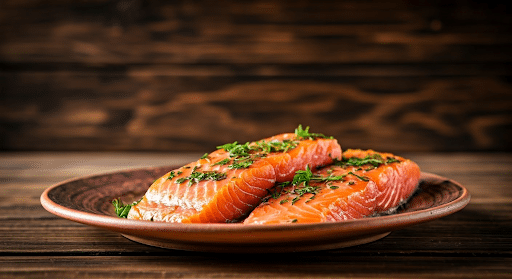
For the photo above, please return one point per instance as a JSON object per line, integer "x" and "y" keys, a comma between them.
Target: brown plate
{"x": 88, "y": 199}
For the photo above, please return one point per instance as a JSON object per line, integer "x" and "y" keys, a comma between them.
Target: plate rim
{"x": 133, "y": 227}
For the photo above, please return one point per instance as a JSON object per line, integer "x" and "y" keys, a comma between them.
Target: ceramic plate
{"x": 88, "y": 199}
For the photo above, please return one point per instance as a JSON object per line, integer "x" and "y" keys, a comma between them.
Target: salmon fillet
{"x": 363, "y": 183}
{"x": 227, "y": 184}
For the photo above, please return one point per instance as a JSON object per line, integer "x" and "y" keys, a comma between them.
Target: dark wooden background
{"x": 181, "y": 75}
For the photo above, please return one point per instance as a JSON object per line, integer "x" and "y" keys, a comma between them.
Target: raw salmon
{"x": 228, "y": 183}
{"x": 363, "y": 183}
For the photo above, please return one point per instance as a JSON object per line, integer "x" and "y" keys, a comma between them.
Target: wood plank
{"x": 287, "y": 266}
{"x": 257, "y": 32}
{"x": 474, "y": 242}
{"x": 146, "y": 112}
{"x": 102, "y": 77}
{"x": 479, "y": 229}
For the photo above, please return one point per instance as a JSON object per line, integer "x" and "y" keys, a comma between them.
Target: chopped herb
{"x": 180, "y": 180}
{"x": 123, "y": 209}
{"x": 302, "y": 176}
{"x": 301, "y": 181}
{"x": 204, "y": 156}
{"x": 197, "y": 176}
{"x": 374, "y": 159}
{"x": 283, "y": 184}
{"x": 351, "y": 183}
{"x": 245, "y": 154}
{"x": 172, "y": 174}
{"x": 283, "y": 201}
{"x": 334, "y": 187}
{"x": 236, "y": 149}
{"x": 390, "y": 160}
{"x": 294, "y": 221}
{"x": 363, "y": 178}
{"x": 328, "y": 178}
{"x": 241, "y": 163}
{"x": 295, "y": 199}
{"x": 305, "y": 134}
{"x": 222, "y": 162}
{"x": 306, "y": 190}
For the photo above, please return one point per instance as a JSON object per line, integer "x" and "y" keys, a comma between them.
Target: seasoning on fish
{"x": 227, "y": 184}
{"x": 362, "y": 184}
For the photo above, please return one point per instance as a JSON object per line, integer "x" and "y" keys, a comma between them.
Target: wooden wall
{"x": 188, "y": 75}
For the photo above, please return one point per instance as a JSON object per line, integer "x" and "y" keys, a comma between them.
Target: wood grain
{"x": 474, "y": 242}
{"x": 187, "y": 76}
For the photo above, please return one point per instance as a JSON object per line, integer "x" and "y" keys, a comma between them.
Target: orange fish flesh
{"x": 362, "y": 184}
{"x": 228, "y": 183}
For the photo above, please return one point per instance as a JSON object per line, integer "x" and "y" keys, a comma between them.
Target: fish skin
{"x": 229, "y": 199}
{"x": 387, "y": 187}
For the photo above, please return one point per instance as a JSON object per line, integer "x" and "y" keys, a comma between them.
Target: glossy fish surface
{"x": 227, "y": 184}
{"x": 362, "y": 184}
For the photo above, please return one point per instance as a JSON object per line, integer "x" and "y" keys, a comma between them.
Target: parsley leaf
{"x": 122, "y": 209}
{"x": 197, "y": 176}
{"x": 373, "y": 159}
{"x": 305, "y": 134}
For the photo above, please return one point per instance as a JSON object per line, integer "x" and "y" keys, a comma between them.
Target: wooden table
{"x": 473, "y": 243}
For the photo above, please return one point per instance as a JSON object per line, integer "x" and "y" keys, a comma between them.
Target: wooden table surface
{"x": 473, "y": 243}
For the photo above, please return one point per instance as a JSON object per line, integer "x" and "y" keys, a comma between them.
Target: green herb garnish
{"x": 245, "y": 154}
{"x": 374, "y": 159}
{"x": 363, "y": 178}
{"x": 123, "y": 209}
{"x": 241, "y": 163}
{"x": 305, "y": 134}
{"x": 173, "y": 174}
{"x": 222, "y": 162}
{"x": 197, "y": 176}
{"x": 390, "y": 160}
{"x": 303, "y": 177}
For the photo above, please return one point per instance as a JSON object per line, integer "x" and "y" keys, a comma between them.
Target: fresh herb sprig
{"x": 305, "y": 134}
{"x": 122, "y": 209}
